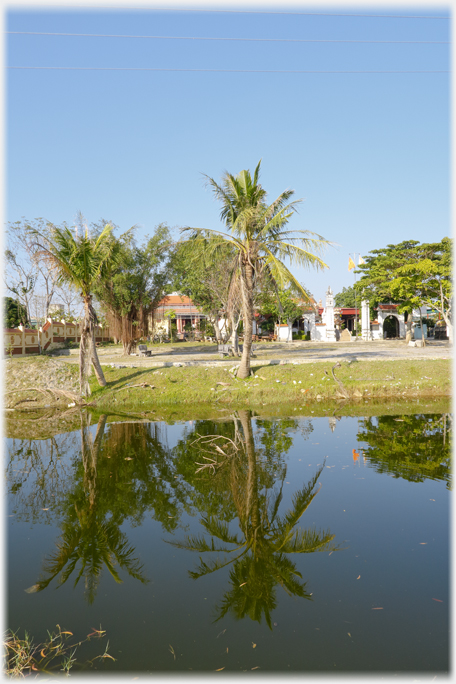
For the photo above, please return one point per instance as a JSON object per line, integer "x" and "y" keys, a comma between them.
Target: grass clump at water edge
{"x": 22, "y": 656}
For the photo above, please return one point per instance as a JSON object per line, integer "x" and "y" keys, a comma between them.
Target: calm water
{"x": 299, "y": 545}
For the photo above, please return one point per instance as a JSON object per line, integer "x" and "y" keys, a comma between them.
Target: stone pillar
{"x": 329, "y": 317}
{"x": 365, "y": 320}
{"x": 21, "y": 328}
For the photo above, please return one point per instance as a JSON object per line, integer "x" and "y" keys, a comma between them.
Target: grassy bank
{"x": 188, "y": 387}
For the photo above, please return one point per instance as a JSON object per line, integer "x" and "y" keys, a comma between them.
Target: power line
{"x": 227, "y": 71}
{"x": 259, "y": 40}
{"x": 232, "y": 11}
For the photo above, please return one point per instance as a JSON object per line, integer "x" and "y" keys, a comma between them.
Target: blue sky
{"x": 367, "y": 152}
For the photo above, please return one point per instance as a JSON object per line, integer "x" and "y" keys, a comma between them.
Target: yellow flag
{"x": 361, "y": 260}
{"x": 351, "y": 263}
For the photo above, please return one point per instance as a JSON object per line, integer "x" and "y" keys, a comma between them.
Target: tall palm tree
{"x": 258, "y": 234}
{"x": 82, "y": 260}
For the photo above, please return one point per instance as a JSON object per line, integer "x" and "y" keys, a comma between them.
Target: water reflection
{"x": 414, "y": 447}
{"x": 90, "y": 540}
{"x": 259, "y": 555}
{"x": 122, "y": 473}
{"x": 92, "y": 482}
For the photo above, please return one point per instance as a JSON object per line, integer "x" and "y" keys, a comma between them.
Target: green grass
{"x": 189, "y": 386}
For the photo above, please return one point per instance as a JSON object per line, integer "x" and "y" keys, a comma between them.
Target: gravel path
{"x": 276, "y": 352}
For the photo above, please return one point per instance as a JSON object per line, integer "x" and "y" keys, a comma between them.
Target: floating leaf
{"x": 220, "y": 669}
{"x": 377, "y": 608}
{"x": 358, "y": 577}
{"x": 253, "y": 645}
{"x": 439, "y": 600}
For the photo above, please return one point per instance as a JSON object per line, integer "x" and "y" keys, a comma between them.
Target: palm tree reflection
{"x": 88, "y": 537}
{"x": 259, "y": 555}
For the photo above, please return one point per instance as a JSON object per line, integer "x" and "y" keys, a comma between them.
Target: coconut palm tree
{"x": 81, "y": 260}
{"x": 258, "y": 234}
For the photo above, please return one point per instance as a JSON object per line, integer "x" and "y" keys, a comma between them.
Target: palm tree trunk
{"x": 247, "y": 310}
{"x": 97, "y": 366}
{"x": 251, "y": 510}
{"x": 85, "y": 352}
{"x": 88, "y": 351}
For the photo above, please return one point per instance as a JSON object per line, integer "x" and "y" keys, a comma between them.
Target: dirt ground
{"x": 273, "y": 352}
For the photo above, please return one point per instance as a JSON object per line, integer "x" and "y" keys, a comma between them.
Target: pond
{"x": 302, "y": 545}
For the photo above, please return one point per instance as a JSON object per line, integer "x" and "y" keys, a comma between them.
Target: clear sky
{"x": 368, "y": 153}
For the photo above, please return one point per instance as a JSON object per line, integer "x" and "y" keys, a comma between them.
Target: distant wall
{"x": 23, "y": 341}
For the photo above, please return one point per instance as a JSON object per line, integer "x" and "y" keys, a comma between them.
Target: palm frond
{"x": 301, "y": 501}
{"x": 308, "y": 541}
{"x": 219, "y": 529}
{"x": 197, "y": 543}
{"x": 212, "y": 566}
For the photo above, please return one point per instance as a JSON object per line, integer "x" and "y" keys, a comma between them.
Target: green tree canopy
{"x": 136, "y": 286}
{"x": 409, "y": 274}
{"x": 347, "y": 298}
{"x": 428, "y": 280}
{"x": 14, "y": 313}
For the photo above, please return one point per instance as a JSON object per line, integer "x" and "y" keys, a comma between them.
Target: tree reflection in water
{"x": 414, "y": 447}
{"x": 260, "y": 553}
{"x": 89, "y": 538}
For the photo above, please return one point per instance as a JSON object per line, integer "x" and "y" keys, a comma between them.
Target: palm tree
{"x": 82, "y": 260}
{"x": 257, "y": 232}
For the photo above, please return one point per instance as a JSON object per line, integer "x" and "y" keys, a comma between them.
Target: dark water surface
{"x": 289, "y": 545}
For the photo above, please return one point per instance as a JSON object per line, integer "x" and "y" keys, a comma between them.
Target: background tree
{"x": 284, "y": 306}
{"x": 14, "y": 313}
{"x": 259, "y": 238}
{"x": 171, "y": 316}
{"x": 208, "y": 283}
{"x": 426, "y": 280}
{"x": 378, "y": 273}
{"x": 347, "y": 298}
{"x": 136, "y": 286}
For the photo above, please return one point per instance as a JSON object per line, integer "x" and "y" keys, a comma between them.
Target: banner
{"x": 351, "y": 263}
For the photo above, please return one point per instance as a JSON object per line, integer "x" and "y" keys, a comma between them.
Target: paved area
{"x": 271, "y": 353}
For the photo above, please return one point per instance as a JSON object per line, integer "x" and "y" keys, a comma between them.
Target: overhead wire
{"x": 236, "y": 71}
{"x": 275, "y": 40}
{"x": 238, "y": 11}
